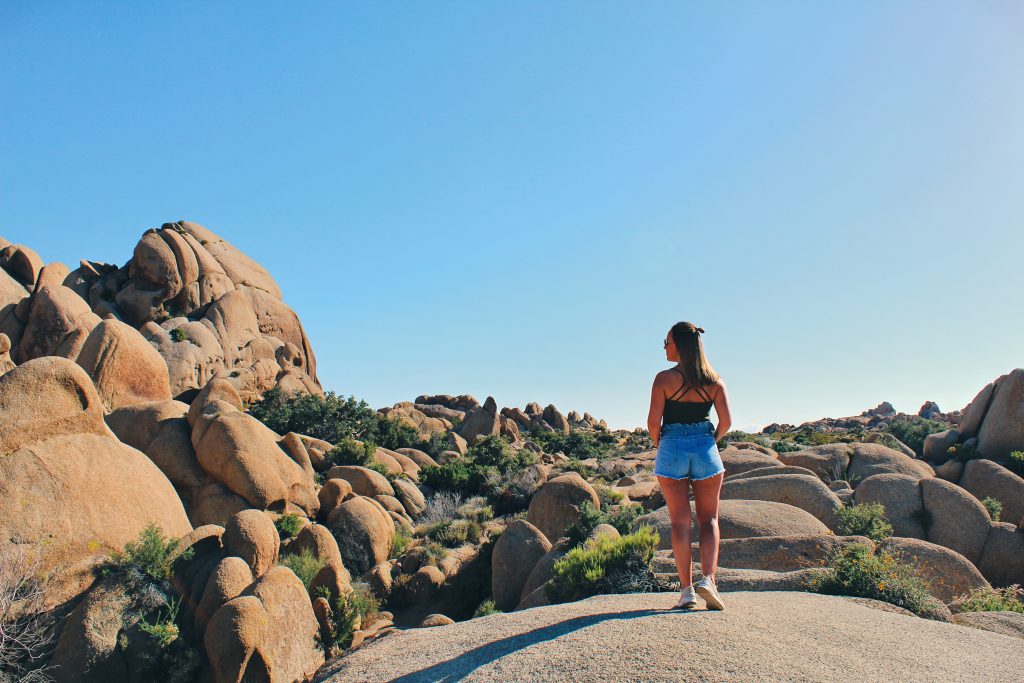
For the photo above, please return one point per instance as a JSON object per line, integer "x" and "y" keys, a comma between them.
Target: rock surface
{"x": 778, "y": 636}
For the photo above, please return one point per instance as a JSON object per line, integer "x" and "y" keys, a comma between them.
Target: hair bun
{"x": 701, "y": 330}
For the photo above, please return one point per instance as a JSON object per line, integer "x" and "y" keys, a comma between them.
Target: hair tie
{"x": 701, "y": 330}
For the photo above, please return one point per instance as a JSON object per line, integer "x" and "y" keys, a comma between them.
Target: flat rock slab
{"x": 781, "y": 636}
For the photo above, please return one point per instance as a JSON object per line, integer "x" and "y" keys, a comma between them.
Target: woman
{"x": 688, "y": 455}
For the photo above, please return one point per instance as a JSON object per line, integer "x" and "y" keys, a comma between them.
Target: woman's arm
{"x": 657, "y": 409}
{"x": 722, "y": 410}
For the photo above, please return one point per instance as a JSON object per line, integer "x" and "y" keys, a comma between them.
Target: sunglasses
{"x": 664, "y": 344}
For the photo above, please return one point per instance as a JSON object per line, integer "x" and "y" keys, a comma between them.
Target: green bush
{"x": 621, "y": 517}
{"x": 913, "y": 431}
{"x": 855, "y": 571}
{"x": 153, "y": 554}
{"x": 476, "y": 509}
{"x": 485, "y": 608}
{"x": 962, "y": 452}
{"x": 433, "y": 552}
{"x": 288, "y": 525}
{"x": 179, "y": 334}
{"x": 786, "y": 446}
{"x": 306, "y": 565}
{"x": 606, "y": 565}
{"x": 348, "y": 451}
{"x": 1009, "y": 599}
{"x": 487, "y": 469}
{"x": 400, "y": 543}
{"x": 329, "y": 417}
{"x": 994, "y": 507}
{"x": 866, "y": 519}
{"x": 348, "y": 613}
{"x": 608, "y": 496}
{"x": 455, "y": 533}
{"x": 1016, "y": 463}
{"x": 165, "y": 629}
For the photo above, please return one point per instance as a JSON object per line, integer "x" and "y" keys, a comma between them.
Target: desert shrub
{"x": 782, "y": 446}
{"x": 621, "y": 517}
{"x": 329, "y": 417}
{"x": 164, "y": 628}
{"x": 855, "y": 571}
{"x": 392, "y": 434}
{"x": 179, "y": 334}
{"x": 605, "y": 565}
{"x": 638, "y": 441}
{"x": 737, "y": 435}
{"x": 455, "y": 533}
{"x": 153, "y": 554}
{"x": 578, "y": 445}
{"x": 288, "y": 525}
{"x": 607, "y": 495}
{"x": 485, "y": 608}
{"x": 913, "y": 430}
{"x": 490, "y": 468}
{"x": 348, "y": 613}
{"x": 433, "y": 552}
{"x": 1009, "y": 599}
{"x": 1016, "y": 462}
{"x": 994, "y": 507}
{"x": 348, "y": 451}
{"x": 443, "y": 506}
{"x": 400, "y": 542}
{"x": 26, "y": 635}
{"x": 476, "y": 509}
{"x": 577, "y": 466}
{"x": 865, "y": 519}
{"x": 306, "y": 565}
{"x": 962, "y": 452}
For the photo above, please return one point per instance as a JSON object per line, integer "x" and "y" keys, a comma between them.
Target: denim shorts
{"x": 688, "y": 451}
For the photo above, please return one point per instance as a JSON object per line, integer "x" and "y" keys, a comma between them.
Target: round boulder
{"x": 252, "y": 536}
{"x": 556, "y": 506}
{"x": 958, "y": 520}
{"x": 948, "y": 573}
{"x": 363, "y": 531}
{"x": 125, "y": 368}
{"x": 900, "y": 495}
{"x": 515, "y": 553}
{"x": 364, "y": 481}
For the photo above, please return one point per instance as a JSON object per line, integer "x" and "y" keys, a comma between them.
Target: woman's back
{"x": 686, "y": 405}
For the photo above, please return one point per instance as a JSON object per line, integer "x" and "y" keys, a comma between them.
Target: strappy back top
{"x": 685, "y": 412}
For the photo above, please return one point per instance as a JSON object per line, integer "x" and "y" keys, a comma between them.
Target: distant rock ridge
{"x": 878, "y": 417}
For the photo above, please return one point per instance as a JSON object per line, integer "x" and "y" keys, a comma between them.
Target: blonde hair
{"x": 692, "y": 361}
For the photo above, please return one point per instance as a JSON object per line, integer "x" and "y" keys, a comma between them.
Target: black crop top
{"x": 685, "y": 412}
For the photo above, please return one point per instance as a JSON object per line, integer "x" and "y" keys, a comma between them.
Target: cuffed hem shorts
{"x": 688, "y": 451}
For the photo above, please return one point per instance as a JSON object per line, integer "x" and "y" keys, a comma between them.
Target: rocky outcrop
{"x": 516, "y": 553}
{"x": 73, "y": 487}
{"x": 482, "y": 421}
{"x": 124, "y": 367}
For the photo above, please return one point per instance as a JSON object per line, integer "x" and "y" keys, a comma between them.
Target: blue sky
{"x": 518, "y": 199}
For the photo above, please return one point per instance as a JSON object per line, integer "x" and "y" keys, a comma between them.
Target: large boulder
{"x": 364, "y": 481}
{"x": 240, "y": 452}
{"x": 161, "y": 431}
{"x": 125, "y": 368}
{"x": 483, "y": 421}
{"x": 958, "y": 520}
{"x": 252, "y": 536}
{"x": 364, "y": 533}
{"x": 741, "y": 519}
{"x": 737, "y": 460}
{"x": 828, "y": 461}
{"x": 948, "y": 573}
{"x": 987, "y": 479}
{"x": 516, "y": 552}
{"x": 1002, "y": 559}
{"x": 555, "y": 419}
{"x": 56, "y": 324}
{"x": 231, "y": 576}
{"x": 900, "y": 495}
{"x": 807, "y": 493}
{"x": 73, "y": 488}
{"x": 780, "y": 553}
{"x": 869, "y": 459}
{"x": 1002, "y": 428}
{"x": 556, "y": 506}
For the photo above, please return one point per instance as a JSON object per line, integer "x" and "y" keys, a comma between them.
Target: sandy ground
{"x": 777, "y": 636}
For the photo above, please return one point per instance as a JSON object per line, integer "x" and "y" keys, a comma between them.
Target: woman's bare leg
{"x": 677, "y": 496}
{"x": 706, "y": 493}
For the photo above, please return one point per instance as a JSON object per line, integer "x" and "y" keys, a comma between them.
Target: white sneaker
{"x": 687, "y": 599}
{"x": 707, "y": 590}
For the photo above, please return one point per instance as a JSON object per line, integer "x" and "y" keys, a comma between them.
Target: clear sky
{"x": 518, "y": 199}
